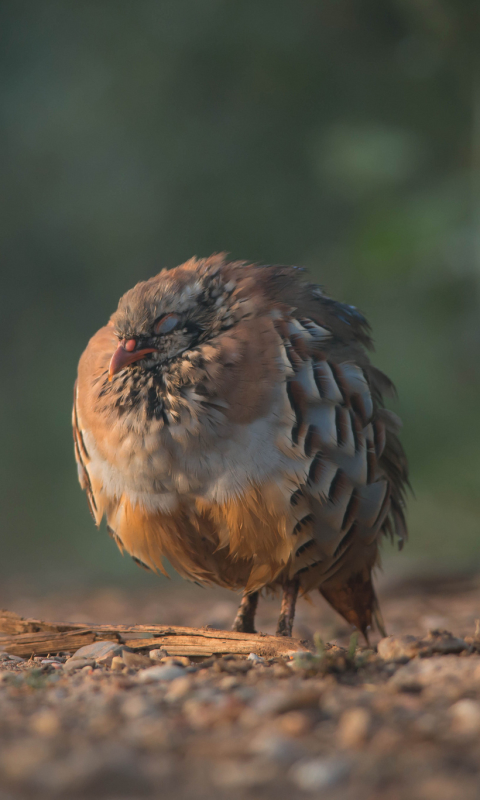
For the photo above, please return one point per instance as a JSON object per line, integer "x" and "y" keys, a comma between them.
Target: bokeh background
{"x": 342, "y": 135}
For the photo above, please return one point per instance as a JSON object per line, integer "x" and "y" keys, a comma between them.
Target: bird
{"x": 228, "y": 418}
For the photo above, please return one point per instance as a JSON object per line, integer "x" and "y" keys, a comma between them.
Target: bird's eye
{"x": 166, "y": 323}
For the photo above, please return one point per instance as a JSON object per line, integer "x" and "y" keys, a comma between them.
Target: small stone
{"x": 136, "y": 660}
{"x": 255, "y": 659}
{"x": 441, "y": 642}
{"x": 438, "y": 674}
{"x": 78, "y": 663}
{"x": 398, "y": 648}
{"x": 17, "y": 659}
{"x": 118, "y": 663}
{"x": 232, "y": 665}
{"x": 280, "y": 702}
{"x": 228, "y": 683}
{"x": 4, "y": 656}
{"x": 319, "y": 773}
{"x": 102, "y": 652}
{"x": 295, "y": 723}
{"x": 466, "y": 716}
{"x": 353, "y": 727}
{"x": 177, "y": 661}
{"x": 157, "y": 655}
{"x": 45, "y": 723}
{"x": 179, "y": 688}
{"x": 135, "y": 707}
{"x": 403, "y": 648}
{"x": 276, "y": 747}
{"x": 160, "y": 673}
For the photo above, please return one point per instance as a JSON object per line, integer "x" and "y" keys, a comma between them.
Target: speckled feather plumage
{"x": 252, "y": 446}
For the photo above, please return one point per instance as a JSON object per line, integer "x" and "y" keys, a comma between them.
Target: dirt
{"x": 345, "y": 723}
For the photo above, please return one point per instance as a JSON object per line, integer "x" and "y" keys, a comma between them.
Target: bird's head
{"x": 173, "y": 312}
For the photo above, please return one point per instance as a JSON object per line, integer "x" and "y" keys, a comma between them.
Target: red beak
{"x": 123, "y": 357}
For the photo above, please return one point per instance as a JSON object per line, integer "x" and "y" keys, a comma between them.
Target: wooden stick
{"x": 13, "y": 623}
{"x": 35, "y": 637}
{"x": 39, "y": 644}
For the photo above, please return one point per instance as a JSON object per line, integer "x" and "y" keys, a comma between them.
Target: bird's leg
{"x": 287, "y": 609}
{"x": 245, "y": 619}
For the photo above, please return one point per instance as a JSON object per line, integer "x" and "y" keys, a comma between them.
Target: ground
{"x": 342, "y": 726}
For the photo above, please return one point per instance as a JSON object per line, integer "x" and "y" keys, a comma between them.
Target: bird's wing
{"x": 357, "y": 471}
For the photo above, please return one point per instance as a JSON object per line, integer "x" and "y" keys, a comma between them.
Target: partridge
{"x": 228, "y": 419}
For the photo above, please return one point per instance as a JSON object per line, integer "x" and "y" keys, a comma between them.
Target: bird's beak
{"x": 122, "y": 357}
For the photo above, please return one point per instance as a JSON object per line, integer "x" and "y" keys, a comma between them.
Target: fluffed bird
{"x": 228, "y": 419}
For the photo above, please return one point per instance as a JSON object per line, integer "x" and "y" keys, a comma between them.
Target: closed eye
{"x": 166, "y": 323}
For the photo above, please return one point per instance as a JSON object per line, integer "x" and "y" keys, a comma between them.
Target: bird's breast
{"x": 214, "y": 460}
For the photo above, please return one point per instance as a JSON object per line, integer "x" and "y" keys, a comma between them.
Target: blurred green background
{"x": 343, "y": 135}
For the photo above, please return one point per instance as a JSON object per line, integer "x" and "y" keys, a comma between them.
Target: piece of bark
{"x": 13, "y": 623}
{"x": 177, "y": 641}
{"x": 45, "y": 642}
{"x": 199, "y": 645}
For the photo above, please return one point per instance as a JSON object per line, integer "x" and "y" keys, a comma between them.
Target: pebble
{"x": 276, "y": 747}
{"x": 406, "y": 647}
{"x": 136, "y": 660}
{"x": 256, "y": 659}
{"x": 465, "y": 716}
{"x": 102, "y": 652}
{"x": 45, "y": 722}
{"x": 157, "y": 655}
{"x": 437, "y": 673}
{"x": 295, "y": 723}
{"x": 134, "y": 707}
{"x": 78, "y": 663}
{"x": 16, "y": 659}
{"x": 353, "y": 727}
{"x": 160, "y": 673}
{"x": 228, "y": 683}
{"x": 397, "y": 648}
{"x": 179, "y": 688}
{"x": 319, "y": 773}
{"x": 279, "y": 702}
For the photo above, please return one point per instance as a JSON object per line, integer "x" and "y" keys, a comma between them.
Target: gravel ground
{"x": 401, "y": 723}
